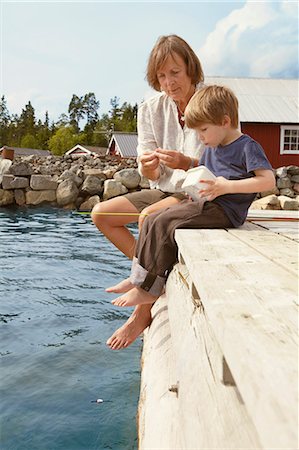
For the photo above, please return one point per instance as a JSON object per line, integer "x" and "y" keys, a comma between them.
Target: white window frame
{"x": 283, "y": 128}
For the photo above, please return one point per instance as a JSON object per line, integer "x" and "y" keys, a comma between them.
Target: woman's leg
{"x": 113, "y": 226}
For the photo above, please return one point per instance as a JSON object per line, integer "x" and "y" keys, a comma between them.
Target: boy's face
{"x": 212, "y": 135}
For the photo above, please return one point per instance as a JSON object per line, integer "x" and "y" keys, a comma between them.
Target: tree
{"x": 29, "y": 141}
{"x": 4, "y": 122}
{"x": 91, "y": 105}
{"x": 64, "y": 139}
{"x": 27, "y": 120}
{"x": 76, "y": 111}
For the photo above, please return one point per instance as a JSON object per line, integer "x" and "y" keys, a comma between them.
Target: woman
{"x": 166, "y": 149}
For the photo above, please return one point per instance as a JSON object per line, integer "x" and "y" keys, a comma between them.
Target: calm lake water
{"x": 55, "y": 318}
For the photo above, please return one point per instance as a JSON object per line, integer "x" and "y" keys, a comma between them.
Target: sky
{"x": 51, "y": 50}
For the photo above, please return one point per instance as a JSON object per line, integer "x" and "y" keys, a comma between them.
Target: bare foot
{"x": 139, "y": 320}
{"x": 135, "y": 296}
{"x": 122, "y": 287}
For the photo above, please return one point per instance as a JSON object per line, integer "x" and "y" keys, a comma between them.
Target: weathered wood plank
{"x": 211, "y": 415}
{"x": 158, "y": 407}
{"x": 285, "y": 252}
{"x": 250, "y": 303}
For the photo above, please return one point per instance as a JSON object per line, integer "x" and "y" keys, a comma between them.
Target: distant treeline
{"x": 25, "y": 131}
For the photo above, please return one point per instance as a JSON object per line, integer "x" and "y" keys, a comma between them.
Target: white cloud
{"x": 259, "y": 39}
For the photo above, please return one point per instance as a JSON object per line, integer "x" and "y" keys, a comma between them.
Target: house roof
{"x": 126, "y": 144}
{"x": 266, "y": 100}
{"x": 22, "y": 151}
{"x": 87, "y": 149}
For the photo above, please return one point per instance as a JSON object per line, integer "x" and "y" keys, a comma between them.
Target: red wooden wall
{"x": 268, "y": 135}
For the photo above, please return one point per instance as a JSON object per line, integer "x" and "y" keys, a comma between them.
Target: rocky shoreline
{"x": 79, "y": 183}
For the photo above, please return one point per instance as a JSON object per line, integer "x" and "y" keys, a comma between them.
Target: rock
{"x": 42, "y": 183}
{"x": 95, "y": 172}
{"x": 70, "y": 174}
{"x": 21, "y": 169}
{"x": 6, "y": 197}
{"x": 287, "y": 203}
{"x": 109, "y": 173}
{"x": 296, "y": 187}
{"x": 38, "y": 197}
{"x": 5, "y": 165}
{"x": 92, "y": 185}
{"x": 293, "y": 170}
{"x": 288, "y": 192}
{"x": 67, "y": 192}
{"x": 269, "y": 202}
{"x": 130, "y": 178}
{"x": 20, "y": 197}
{"x": 144, "y": 183}
{"x": 113, "y": 188}
{"x": 281, "y": 172}
{"x": 12, "y": 182}
{"x": 295, "y": 178}
{"x": 274, "y": 191}
{"x": 283, "y": 183}
{"x": 90, "y": 203}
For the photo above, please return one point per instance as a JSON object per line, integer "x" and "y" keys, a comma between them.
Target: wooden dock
{"x": 220, "y": 359}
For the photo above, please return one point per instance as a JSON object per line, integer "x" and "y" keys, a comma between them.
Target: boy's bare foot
{"x": 125, "y": 335}
{"x": 135, "y": 296}
{"x": 122, "y": 287}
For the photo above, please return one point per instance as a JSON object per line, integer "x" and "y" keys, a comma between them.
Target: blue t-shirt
{"x": 236, "y": 161}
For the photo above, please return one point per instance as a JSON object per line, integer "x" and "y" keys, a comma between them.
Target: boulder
{"x": 130, "y": 178}
{"x": 69, "y": 173}
{"x": 6, "y": 197}
{"x": 283, "y": 183}
{"x": 4, "y": 167}
{"x": 38, "y": 197}
{"x": 95, "y": 172}
{"x": 144, "y": 183}
{"x": 287, "y": 192}
{"x": 287, "y": 203}
{"x": 21, "y": 169}
{"x": 42, "y": 183}
{"x": 92, "y": 185}
{"x": 20, "y": 197}
{"x": 12, "y": 182}
{"x": 113, "y": 188}
{"x": 269, "y": 202}
{"x": 67, "y": 192}
{"x": 90, "y": 203}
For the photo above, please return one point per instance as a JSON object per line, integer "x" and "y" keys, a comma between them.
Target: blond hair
{"x": 210, "y": 105}
{"x": 172, "y": 45}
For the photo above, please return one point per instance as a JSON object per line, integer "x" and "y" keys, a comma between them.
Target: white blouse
{"x": 158, "y": 126}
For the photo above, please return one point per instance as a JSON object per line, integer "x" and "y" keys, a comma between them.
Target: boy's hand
{"x": 215, "y": 188}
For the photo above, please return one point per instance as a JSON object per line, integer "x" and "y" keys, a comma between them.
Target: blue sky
{"x": 52, "y": 50}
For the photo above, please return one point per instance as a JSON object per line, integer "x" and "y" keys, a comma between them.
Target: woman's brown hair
{"x": 172, "y": 45}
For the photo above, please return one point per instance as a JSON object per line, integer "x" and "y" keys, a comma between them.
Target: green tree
{"x": 63, "y": 140}
{"x": 27, "y": 120}
{"x": 4, "y": 122}
{"x": 76, "y": 111}
{"x": 29, "y": 141}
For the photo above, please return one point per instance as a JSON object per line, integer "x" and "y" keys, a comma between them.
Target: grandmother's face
{"x": 173, "y": 79}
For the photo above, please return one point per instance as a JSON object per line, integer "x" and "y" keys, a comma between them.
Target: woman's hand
{"x": 215, "y": 188}
{"x": 150, "y": 165}
{"x": 173, "y": 159}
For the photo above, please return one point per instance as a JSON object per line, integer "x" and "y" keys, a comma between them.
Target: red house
{"x": 269, "y": 113}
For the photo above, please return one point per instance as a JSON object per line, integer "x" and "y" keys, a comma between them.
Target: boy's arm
{"x": 263, "y": 180}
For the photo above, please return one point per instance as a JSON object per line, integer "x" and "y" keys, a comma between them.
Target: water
{"x": 55, "y": 318}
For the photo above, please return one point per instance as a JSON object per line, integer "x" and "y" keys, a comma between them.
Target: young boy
{"x": 242, "y": 170}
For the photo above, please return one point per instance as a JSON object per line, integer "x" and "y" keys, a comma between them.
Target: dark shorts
{"x": 146, "y": 197}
